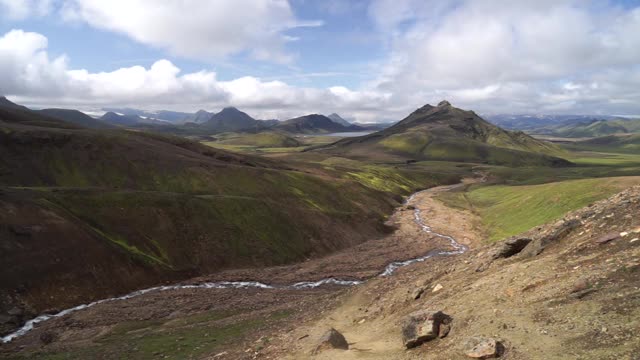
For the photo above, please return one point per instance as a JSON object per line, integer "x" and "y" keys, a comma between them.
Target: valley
{"x": 217, "y": 245}
{"x": 321, "y": 180}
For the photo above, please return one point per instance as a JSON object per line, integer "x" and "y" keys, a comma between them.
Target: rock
{"x": 634, "y": 240}
{"x": 437, "y": 288}
{"x": 482, "y": 267}
{"x": 561, "y": 230}
{"x": 582, "y": 293}
{"x": 332, "y": 339}
{"x": 607, "y": 237}
{"x": 580, "y": 285}
{"x": 417, "y": 293}
{"x": 444, "y": 330}
{"x": 422, "y": 326}
{"x": 482, "y": 348}
{"x": 511, "y": 247}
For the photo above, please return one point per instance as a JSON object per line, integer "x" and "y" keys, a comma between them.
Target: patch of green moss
{"x": 192, "y": 337}
{"x": 510, "y": 210}
{"x": 132, "y": 249}
{"x": 410, "y": 142}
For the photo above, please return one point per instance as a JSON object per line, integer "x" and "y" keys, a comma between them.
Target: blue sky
{"x": 368, "y": 60}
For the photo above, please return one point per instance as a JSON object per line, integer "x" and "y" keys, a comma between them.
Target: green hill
{"x": 314, "y": 124}
{"x": 109, "y": 211}
{"x": 627, "y": 143}
{"x": 447, "y": 133}
{"x": 267, "y": 139}
{"x": 594, "y": 128}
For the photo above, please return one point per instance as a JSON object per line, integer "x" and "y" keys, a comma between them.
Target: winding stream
{"x": 389, "y": 269}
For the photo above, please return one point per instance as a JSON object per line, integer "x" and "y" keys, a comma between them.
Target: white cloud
{"x": 203, "y": 30}
{"x": 571, "y": 56}
{"x": 522, "y": 55}
{"x": 21, "y": 9}
{"x": 31, "y": 77}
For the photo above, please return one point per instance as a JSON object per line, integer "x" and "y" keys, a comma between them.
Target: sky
{"x": 369, "y": 61}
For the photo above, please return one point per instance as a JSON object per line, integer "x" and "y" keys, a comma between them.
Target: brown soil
{"x": 87, "y": 327}
{"x": 578, "y": 299}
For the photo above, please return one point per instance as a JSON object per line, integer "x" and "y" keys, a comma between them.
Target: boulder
{"x": 482, "y": 348}
{"x": 511, "y": 247}
{"x": 607, "y": 237}
{"x": 424, "y": 325}
{"x": 417, "y": 293}
{"x": 332, "y": 339}
{"x": 561, "y": 230}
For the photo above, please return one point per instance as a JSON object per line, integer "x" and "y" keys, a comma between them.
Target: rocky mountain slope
{"x": 444, "y": 132}
{"x": 338, "y": 119}
{"x": 564, "y": 290}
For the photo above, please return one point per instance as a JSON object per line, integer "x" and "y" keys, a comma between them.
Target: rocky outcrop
{"x": 511, "y": 247}
{"x": 560, "y": 230}
{"x": 424, "y": 325}
{"x": 332, "y": 339}
{"x": 417, "y": 293}
{"x": 482, "y": 348}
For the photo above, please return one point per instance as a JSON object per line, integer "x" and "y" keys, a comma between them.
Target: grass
{"x": 186, "y": 338}
{"x": 510, "y": 210}
{"x": 267, "y": 143}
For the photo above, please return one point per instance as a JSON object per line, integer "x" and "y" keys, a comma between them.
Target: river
{"x": 456, "y": 248}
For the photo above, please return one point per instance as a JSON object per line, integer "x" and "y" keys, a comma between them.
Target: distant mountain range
{"x": 230, "y": 119}
{"x": 590, "y": 128}
{"x": 530, "y": 122}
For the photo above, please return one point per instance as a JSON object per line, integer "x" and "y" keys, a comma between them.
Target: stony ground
{"x": 578, "y": 298}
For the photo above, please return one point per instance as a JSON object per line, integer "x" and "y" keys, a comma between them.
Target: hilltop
{"x": 445, "y": 132}
{"x": 314, "y": 124}
{"x": 338, "y": 119}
